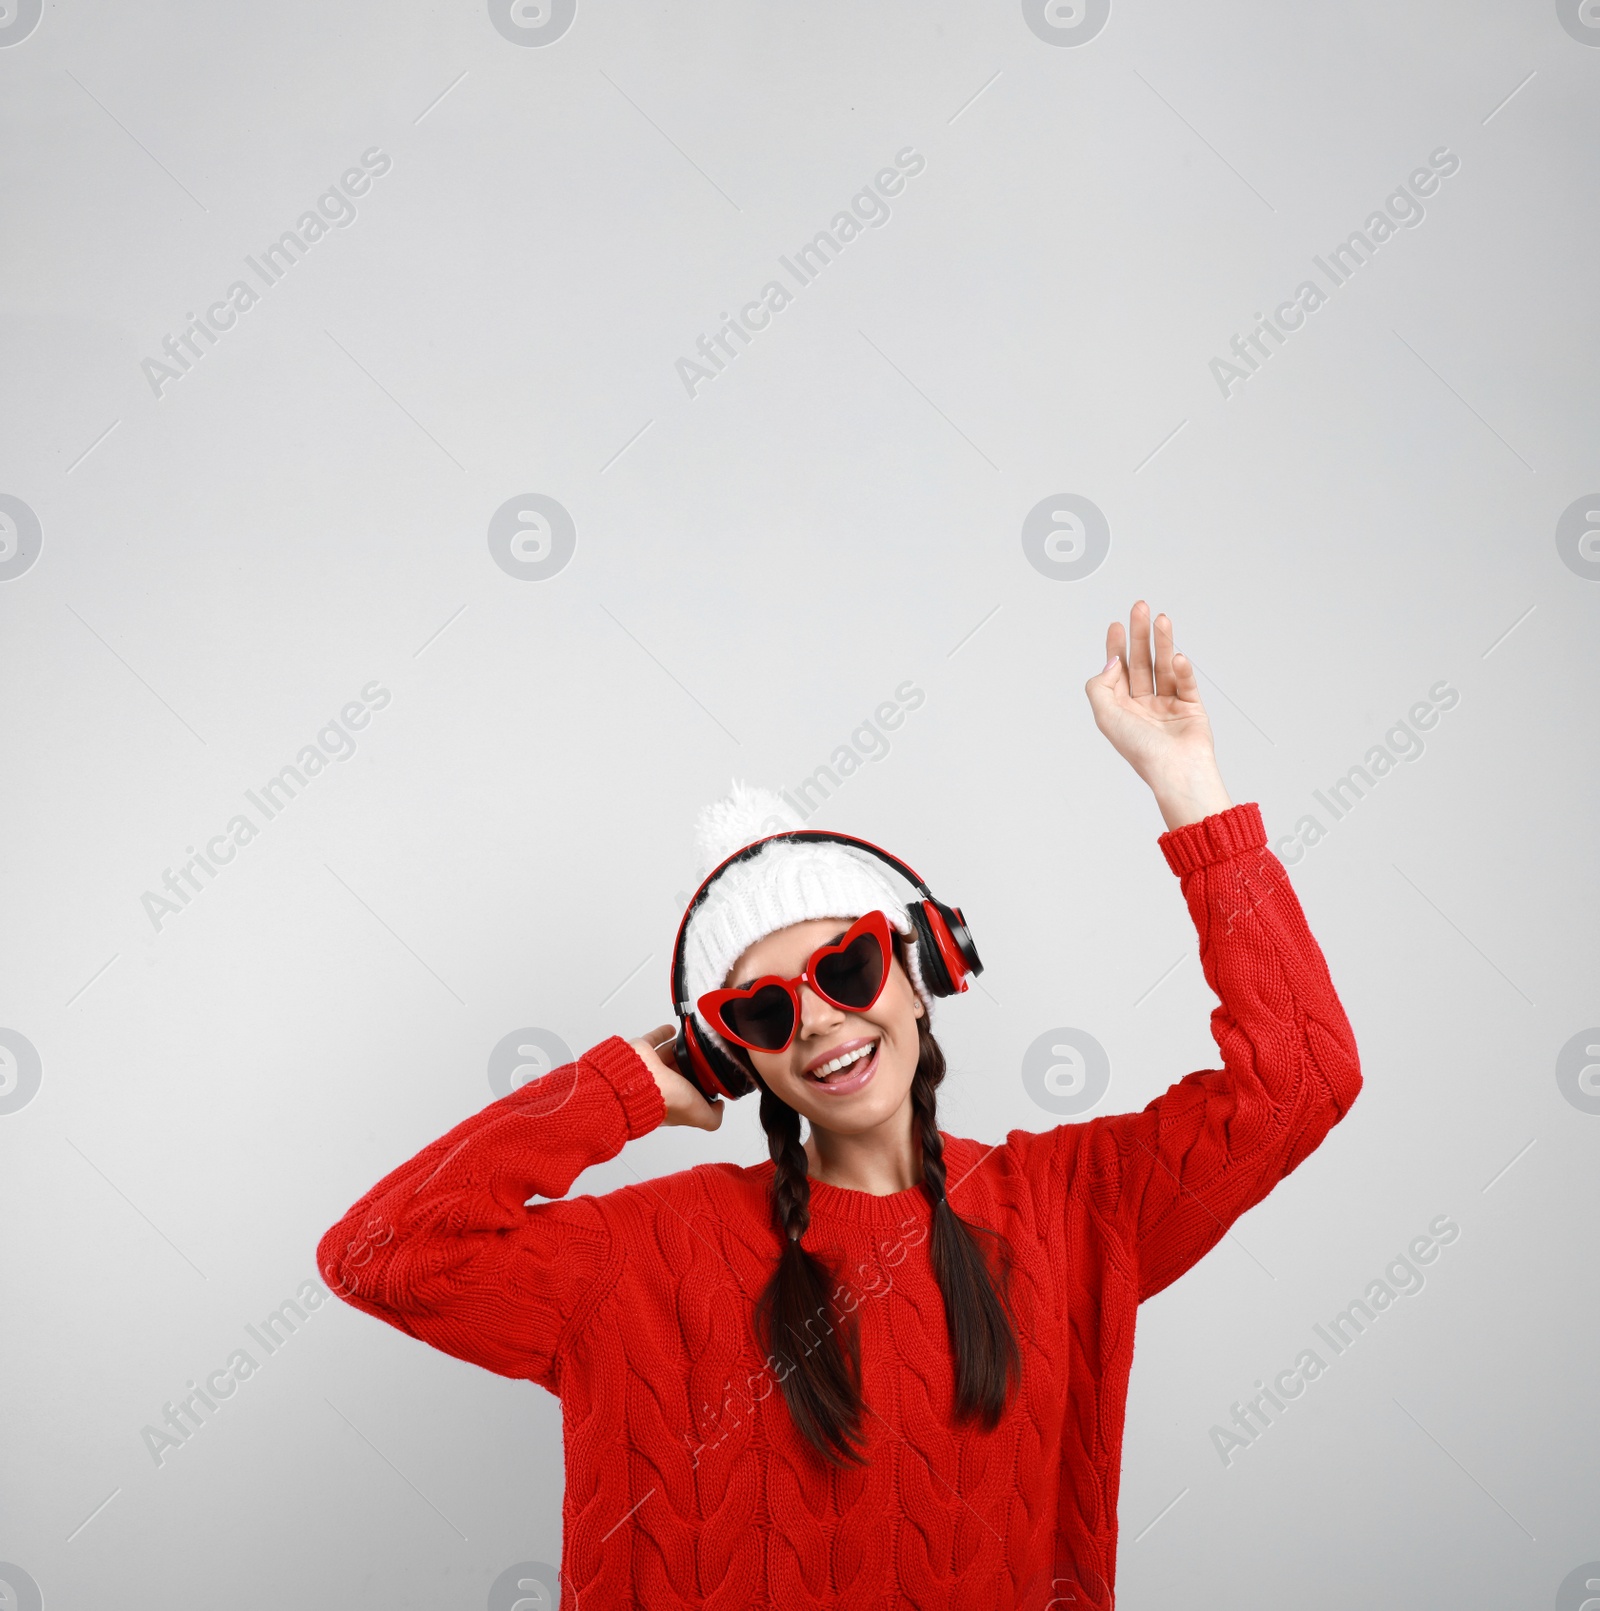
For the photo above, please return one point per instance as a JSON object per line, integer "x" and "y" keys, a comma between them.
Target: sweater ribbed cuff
{"x": 1214, "y": 838}
{"x": 624, "y": 1070}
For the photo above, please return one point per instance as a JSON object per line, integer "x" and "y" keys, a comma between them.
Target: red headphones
{"x": 944, "y": 950}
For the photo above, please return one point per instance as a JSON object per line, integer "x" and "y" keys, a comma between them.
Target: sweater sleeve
{"x": 1175, "y": 1176}
{"x": 447, "y": 1248}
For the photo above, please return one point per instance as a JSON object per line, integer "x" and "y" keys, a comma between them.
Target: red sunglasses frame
{"x": 712, "y": 1002}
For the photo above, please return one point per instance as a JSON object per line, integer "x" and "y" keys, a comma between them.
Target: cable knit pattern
{"x": 686, "y": 1484}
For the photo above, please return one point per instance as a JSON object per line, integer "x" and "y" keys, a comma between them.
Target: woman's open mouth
{"x": 848, "y": 1069}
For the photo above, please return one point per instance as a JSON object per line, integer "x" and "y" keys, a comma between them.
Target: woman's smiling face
{"x": 881, "y": 1042}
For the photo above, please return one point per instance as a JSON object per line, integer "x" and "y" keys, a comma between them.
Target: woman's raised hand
{"x": 685, "y": 1105}
{"x": 1148, "y": 704}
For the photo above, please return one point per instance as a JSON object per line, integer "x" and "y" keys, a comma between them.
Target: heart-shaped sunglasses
{"x": 764, "y": 1014}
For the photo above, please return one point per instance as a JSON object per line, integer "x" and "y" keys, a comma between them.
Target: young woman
{"x": 888, "y": 1366}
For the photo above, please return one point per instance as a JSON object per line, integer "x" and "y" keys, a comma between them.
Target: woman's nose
{"x": 815, "y": 1013}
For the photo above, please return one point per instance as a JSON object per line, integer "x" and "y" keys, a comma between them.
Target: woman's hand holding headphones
{"x": 685, "y": 1105}
{"x": 1150, "y": 709}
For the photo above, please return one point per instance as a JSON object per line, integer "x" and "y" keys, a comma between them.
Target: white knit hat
{"x": 783, "y": 883}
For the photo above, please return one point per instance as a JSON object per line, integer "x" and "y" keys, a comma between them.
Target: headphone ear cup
{"x": 930, "y": 954}
{"x": 963, "y": 950}
{"x": 708, "y": 1067}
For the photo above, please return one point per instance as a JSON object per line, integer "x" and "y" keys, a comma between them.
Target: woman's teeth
{"x": 844, "y": 1062}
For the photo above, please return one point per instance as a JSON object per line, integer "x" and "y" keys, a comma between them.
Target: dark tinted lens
{"x": 852, "y": 977}
{"x": 763, "y": 1019}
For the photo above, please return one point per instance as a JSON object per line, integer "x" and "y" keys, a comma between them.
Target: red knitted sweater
{"x": 686, "y": 1484}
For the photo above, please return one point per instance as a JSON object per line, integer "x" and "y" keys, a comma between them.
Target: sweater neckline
{"x": 832, "y": 1203}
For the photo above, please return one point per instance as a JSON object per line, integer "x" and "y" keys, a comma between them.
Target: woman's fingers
{"x": 1107, "y": 685}
{"x": 1114, "y": 641}
{"x": 1185, "y": 684}
{"x": 1142, "y": 660}
{"x": 659, "y": 1042}
{"x": 685, "y": 1103}
{"x": 1165, "y": 682}
{"x": 655, "y": 1036}
{"x": 1140, "y": 680}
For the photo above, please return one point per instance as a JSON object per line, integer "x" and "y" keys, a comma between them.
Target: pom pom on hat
{"x": 782, "y": 883}
{"x": 739, "y": 819}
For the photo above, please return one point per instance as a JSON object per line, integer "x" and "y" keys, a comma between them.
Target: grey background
{"x": 756, "y": 568}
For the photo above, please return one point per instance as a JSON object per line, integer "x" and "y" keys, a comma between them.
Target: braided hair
{"x": 814, "y": 1348}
